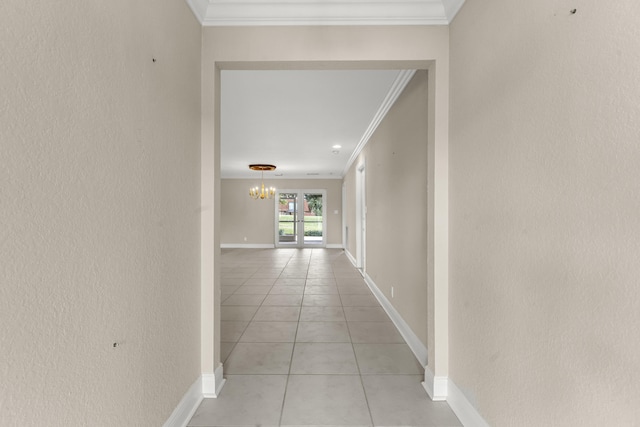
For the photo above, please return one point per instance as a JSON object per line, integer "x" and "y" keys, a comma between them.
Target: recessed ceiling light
{"x": 337, "y": 146}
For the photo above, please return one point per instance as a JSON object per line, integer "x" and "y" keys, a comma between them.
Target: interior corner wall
{"x": 396, "y": 175}
{"x": 100, "y": 211}
{"x": 544, "y": 202}
{"x": 241, "y": 216}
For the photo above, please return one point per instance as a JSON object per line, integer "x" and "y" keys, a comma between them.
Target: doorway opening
{"x": 210, "y": 253}
{"x": 301, "y": 219}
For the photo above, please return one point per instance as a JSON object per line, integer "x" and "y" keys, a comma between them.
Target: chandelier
{"x": 261, "y": 192}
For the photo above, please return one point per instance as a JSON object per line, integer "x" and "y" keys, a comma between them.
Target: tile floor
{"x": 305, "y": 343}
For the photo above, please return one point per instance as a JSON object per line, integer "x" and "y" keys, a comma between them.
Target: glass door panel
{"x": 300, "y": 217}
{"x": 288, "y": 219}
{"x": 313, "y": 219}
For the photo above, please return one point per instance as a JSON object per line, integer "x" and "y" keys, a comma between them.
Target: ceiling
{"x": 293, "y": 118}
{"x": 297, "y": 119}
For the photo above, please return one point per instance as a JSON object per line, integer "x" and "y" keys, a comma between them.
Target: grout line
{"x": 364, "y": 391}
{"x": 293, "y": 350}
{"x": 310, "y": 262}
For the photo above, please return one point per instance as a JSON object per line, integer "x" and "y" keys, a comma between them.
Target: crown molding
{"x": 404, "y": 76}
{"x": 324, "y": 12}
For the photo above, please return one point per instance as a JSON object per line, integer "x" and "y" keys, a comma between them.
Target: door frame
{"x": 361, "y": 218}
{"x": 423, "y": 48}
{"x": 300, "y": 237}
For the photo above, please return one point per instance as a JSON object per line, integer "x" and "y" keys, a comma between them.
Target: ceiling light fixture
{"x": 261, "y": 192}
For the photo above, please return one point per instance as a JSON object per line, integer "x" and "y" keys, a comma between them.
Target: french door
{"x": 300, "y": 218}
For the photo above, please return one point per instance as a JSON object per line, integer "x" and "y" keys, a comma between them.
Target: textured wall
{"x": 544, "y": 202}
{"x": 242, "y": 216}
{"x": 396, "y": 197}
{"x": 99, "y": 211}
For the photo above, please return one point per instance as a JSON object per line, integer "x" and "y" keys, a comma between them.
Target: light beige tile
{"x": 367, "y": 327}
{"x": 314, "y": 425}
{"x": 293, "y": 276}
{"x": 323, "y": 358}
{"x": 322, "y": 332}
{"x": 267, "y": 273}
{"x": 351, "y": 273}
{"x": 321, "y": 282}
{"x": 244, "y": 300}
{"x": 277, "y": 314}
{"x": 260, "y": 282}
{"x": 270, "y": 332}
{"x": 320, "y": 267}
{"x": 400, "y": 400}
{"x": 321, "y": 314}
{"x": 252, "y": 290}
{"x": 365, "y": 314}
{"x": 225, "y": 350}
{"x": 246, "y": 400}
{"x": 282, "y": 300}
{"x": 386, "y": 359}
{"x": 231, "y": 331}
{"x": 354, "y": 290}
{"x": 237, "y": 275}
{"x": 325, "y": 400}
{"x": 289, "y": 281}
{"x": 322, "y": 300}
{"x": 229, "y": 290}
{"x": 374, "y": 332}
{"x": 259, "y": 358}
{"x": 320, "y": 275}
{"x": 358, "y": 300}
{"x": 232, "y": 281}
{"x": 321, "y": 290}
{"x": 350, "y": 281}
{"x": 287, "y": 290}
{"x": 238, "y": 312}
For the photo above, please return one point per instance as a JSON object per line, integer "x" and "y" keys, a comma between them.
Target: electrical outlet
{"x": 245, "y": 239}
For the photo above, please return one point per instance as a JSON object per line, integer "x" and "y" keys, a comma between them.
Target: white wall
{"x": 99, "y": 212}
{"x": 544, "y": 201}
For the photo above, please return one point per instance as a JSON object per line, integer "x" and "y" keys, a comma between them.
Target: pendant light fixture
{"x": 261, "y": 192}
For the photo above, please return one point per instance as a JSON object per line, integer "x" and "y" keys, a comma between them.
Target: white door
{"x": 301, "y": 218}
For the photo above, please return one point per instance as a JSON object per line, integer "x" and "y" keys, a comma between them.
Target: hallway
{"x": 305, "y": 342}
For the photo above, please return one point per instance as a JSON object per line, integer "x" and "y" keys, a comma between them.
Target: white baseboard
{"x": 350, "y": 257}
{"x": 266, "y": 246}
{"x": 418, "y": 348}
{"x": 247, "y": 245}
{"x": 464, "y": 410}
{"x": 187, "y": 406}
{"x": 437, "y": 387}
{"x": 213, "y": 383}
{"x": 206, "y": 386}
